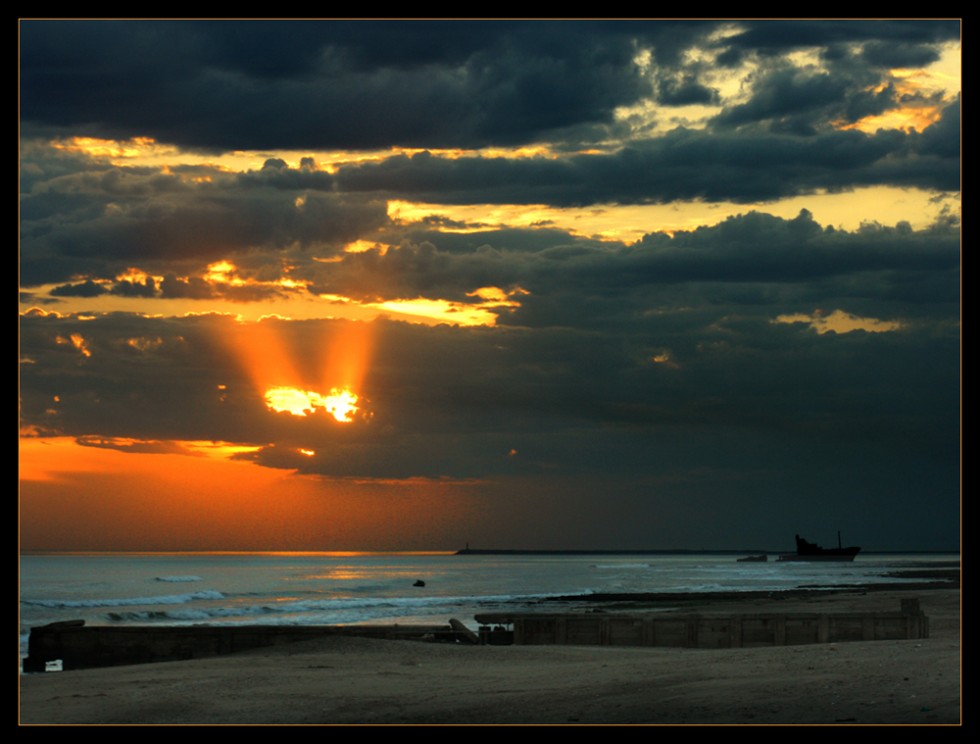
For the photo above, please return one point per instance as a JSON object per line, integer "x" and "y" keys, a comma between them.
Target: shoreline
{"x": 364, "y": 681}
{"x": 944, "y": 578}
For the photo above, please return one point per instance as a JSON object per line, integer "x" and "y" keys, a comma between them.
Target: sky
{"x": 413, "y": 285}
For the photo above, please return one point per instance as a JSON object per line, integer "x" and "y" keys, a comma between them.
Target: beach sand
{"x": 361, "y": 681}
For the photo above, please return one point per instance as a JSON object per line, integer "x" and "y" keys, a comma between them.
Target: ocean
{"x": 348, "y": 588}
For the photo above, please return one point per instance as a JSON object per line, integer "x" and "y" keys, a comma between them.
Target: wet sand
{"x": 362, "y": 681}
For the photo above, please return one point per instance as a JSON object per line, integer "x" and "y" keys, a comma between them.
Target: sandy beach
{"x": 361, "y": 681}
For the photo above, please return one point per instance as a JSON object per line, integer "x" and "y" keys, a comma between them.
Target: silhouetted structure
{"x": 808, "y": 551}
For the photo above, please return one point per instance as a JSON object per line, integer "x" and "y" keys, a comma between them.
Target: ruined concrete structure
{"x": 706, "y": 630}
{"x": 78, "y": 646}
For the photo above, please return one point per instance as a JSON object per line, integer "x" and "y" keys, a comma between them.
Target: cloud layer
{"x": 789, "y": 365}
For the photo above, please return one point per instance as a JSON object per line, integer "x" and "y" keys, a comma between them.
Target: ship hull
{"x": 845, "y": 556}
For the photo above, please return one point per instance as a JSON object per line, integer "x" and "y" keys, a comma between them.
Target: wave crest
{"x": 126, "y": 601}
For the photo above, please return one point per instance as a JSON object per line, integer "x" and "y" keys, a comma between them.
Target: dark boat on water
{"x": 808, "y": 551}
{"x": 754, "y": 559}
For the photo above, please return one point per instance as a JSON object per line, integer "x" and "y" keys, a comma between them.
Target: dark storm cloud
{"x": 680, "y": 369}
{"x": 126, "y": 288}
{"x": 685, "y": 91}
{"x": 103, "y": 219}
{"x": 245, "y": 85}
{"x": 892, "y": 55}
{"x": 454, "y": 401}
{"x": 450, "y": 265}
{"x": 942, "y": 139}
{"x": 126, "y": 375}
{"x": 172, "y": 287}
{"x": 224, "y": 85}
{"x": 779, "y": 36}
{"x": 805, "y": 100}
{"x": 793, "y": 100}
{"x": 724, "y": 284}
{"x": 684, "y": 164}
{"x": 853, "y": 83}
{"x": 192, "y": 288}
{"x": 82, "y": 289}
{"x": 751, "y": 261}
{"x": 760, "y": 247}
{"x": 657, "y": 363}
{"x": 275, "y": 173}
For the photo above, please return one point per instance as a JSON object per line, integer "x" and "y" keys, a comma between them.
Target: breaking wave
{"x": 168, "y": 599}
{"x": 325, "y": 611}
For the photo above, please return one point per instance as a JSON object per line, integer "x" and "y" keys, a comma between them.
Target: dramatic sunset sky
{"x": 355, "y": 285}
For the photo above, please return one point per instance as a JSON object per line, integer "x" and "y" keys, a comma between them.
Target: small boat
{"x": 808, "y": 551}
{"x": 762, "y": 558}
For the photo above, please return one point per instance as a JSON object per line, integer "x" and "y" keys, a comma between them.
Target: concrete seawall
{"x": 78, "y": 646}
{"x": 704, "y": 630}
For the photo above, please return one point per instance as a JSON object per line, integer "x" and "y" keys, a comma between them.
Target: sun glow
{"x": 341, "y": 403}
{"x": 291, "y": 371}
{"x": 441, "y": 311}
{"x": 839, "y": 321}
{"x": 113, "y": 150}
{"x": 907, "y": 118}
{"x": 78, "y": 341}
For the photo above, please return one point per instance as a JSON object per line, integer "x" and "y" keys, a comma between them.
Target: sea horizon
{"x": 472, "y": 551}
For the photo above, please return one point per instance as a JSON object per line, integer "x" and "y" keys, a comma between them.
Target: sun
{"x": 341, "y": 403}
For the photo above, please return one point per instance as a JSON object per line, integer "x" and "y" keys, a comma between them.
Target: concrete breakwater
{"x": 78, "y": 646}
{"x": 714, "y": 630}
